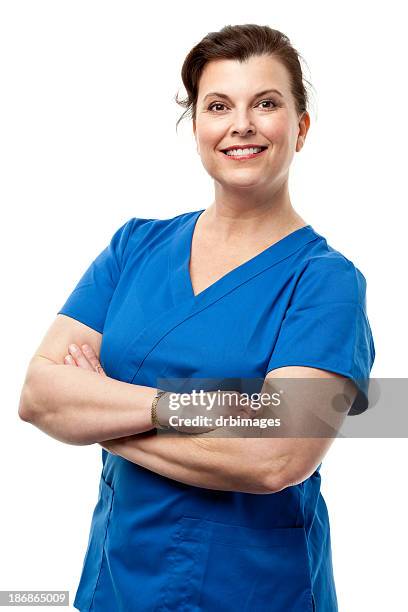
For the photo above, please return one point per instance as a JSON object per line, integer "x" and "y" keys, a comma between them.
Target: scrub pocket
{"x": 94, "y": 553}
{"x": 216, "y": 566}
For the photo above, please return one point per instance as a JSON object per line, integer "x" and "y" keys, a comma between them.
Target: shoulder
{"x": 139, "y": 233}
{"x": 143, "y": 225}
{"x": 327, "y": 274}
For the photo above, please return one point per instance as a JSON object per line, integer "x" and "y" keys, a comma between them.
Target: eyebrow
{"x": 225, "y": 97}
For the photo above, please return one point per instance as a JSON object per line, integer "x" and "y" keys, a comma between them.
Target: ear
{"x": 195, "y": 135}
{"x": 304, "y": 124}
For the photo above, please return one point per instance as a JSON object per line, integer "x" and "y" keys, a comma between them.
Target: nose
{"x": 242, "y": 125}
{"x": 243, "y": 131}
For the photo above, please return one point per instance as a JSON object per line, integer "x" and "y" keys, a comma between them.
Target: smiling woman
{"x": 243, "y": 289}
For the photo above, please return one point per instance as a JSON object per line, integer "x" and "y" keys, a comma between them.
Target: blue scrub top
{"x": 156, "y": 544}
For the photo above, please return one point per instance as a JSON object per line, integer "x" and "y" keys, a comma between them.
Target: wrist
{"x": 159, "y": 412}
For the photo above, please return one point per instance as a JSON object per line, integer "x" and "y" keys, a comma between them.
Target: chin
{"x": 248, "y": 184}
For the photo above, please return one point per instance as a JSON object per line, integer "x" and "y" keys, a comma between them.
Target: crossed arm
{"x": 71, "y": 399}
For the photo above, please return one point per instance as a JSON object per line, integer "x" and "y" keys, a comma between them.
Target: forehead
{"x": 236, "y": 78}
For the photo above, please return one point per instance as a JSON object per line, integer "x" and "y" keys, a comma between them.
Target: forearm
{"x": 80, "y": 407}
{"x": 227, "y": 464}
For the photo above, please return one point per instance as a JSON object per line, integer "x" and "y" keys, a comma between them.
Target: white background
{"x": 88, "y": 140}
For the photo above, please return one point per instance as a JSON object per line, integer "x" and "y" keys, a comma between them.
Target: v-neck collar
{"x": 181, "y": 252}
{"x": 184, "y": 304}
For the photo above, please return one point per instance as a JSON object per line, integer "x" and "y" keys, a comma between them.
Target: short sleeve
{"x": 326, "y": 325}
{"x": 90, "y": 299}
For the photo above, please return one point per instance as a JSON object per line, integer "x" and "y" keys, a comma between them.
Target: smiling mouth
{"x": 241, "y": 154}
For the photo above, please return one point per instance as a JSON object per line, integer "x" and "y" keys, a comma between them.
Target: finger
{"x": 79, "y": 357}
{"x": 68, "y": 360}
{"x": 93, "y": 359}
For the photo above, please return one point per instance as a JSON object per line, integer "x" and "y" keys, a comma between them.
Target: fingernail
{"x": 73, "y": 347}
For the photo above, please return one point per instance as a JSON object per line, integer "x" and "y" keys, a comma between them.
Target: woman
{"x": 244, "y": 288}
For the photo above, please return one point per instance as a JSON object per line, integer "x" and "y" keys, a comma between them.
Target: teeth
{"x": 237, "y": 152}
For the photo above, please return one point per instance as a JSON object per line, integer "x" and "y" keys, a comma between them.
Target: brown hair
{"x": 241, "y": 42}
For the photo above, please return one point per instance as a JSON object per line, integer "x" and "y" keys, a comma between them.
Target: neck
{"x": 238, "y": 212}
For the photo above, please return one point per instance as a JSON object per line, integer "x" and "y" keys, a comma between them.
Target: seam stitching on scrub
{"x": 130, "y": 231}
{"x": 301, "y": 495}
{"x": 175, "y": 549}
{"x": 347, "y": 372}
{"x": 103, "y": 546}
{"x": 129, "y": 225}
{"x": 353, "y": 356}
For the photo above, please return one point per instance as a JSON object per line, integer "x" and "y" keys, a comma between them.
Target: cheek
{"x": 274, "y": 129}
{"x": 210, "y": 134}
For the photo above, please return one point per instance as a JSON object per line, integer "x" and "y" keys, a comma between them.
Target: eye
{"x": 215, "y": 104}
{"x": 263, "y": 102}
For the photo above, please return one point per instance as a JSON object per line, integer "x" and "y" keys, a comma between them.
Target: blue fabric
{"x": 326, "y": 325}
{"x": 158, "y": 544}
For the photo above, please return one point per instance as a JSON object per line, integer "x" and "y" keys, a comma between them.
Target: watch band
{"x": 155, "y": 421}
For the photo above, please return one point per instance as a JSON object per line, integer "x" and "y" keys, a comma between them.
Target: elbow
{"x": 262, "y": 481}
{"x": 282, "y": 474}
{"x": 30, "y": 409}
{"x": 35, "y": 408}
{"x": 26, "y": 410}
{"x": 276, "y": 483}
